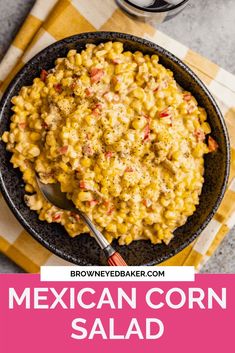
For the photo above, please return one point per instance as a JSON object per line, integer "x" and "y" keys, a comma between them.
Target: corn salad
{"x": 124, "y": 141}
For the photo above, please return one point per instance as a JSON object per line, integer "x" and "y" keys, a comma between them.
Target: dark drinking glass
{"x": 152, "y": 11}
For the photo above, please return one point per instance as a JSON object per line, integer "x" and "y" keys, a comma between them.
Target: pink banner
{"x": 153, "y": 317}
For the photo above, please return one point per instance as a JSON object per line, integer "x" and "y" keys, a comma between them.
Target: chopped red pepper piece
{"x": 96, "y": 74}
{"x": 146, "y": 132}
{"x": 88, "y": 92}
{"x": 98, "y": 106}
{"x": 45, "y": 125}
{"x": 147, "y": 128}
{"x": 191, "y": 107}
{"x": 97, "y": 109}
{"x": 58, "y": 87}
{"x": 110, "y": 207}
{"x": 92, "y": 203}
{"x": 108, "y": 96}
{"x": 164, "y": 84}
{"x": 82, "y": 184}
{"x": 73, "y": 85}
{"x": 75, "y": 215}
{"x": 116, "y": 61}
{"x": 116, "y": 97}
{"x": 43, "y": 75}
{"x": 110, "y": 211}
{"x": 22, "y": 125}
{"x": 88, "y": 136}
{"x": 95, "y": 112}
{"x": 147, "y": 202}
{"x": 165, "y": 113}
{"x": 106, "y": 203}
{"x": 187, "y": 97}
{"x": 56, "y": 217}
{"x": 212, "y": 144}
{"x": 109, "y": 154}
{"x": 200, "y": 135}
{"x": 63, "y": 150}
{"x": 129, "y": 170}
{"x": 87, "y": 150}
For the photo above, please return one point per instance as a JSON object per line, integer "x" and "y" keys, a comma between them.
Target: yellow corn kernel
{"x": 139, "y": 123}
{"x": 68, "y": 73}
{"x": 64, "y": 167}
{"x": 202, "y": 115}
{"x": 67, "y": 81}
{"x": 149, "y": 101}
{"x": 155, "y": 58}
{"x": 138, "y": 93}
{"x": 170, "y": 215}
{"x": 189, "y": 209}
{"x": 198, "y": 150}
{"x": 136, "y": 105}
{"x": 86, "y": 162}
{"x": 109, "y": 237}
{"x": 118, "y": 47}
{"x": 29, "y": 188}
{"x": 128, "y": 54}
{"x": 122, "y": 228}
{"x": 85, "y": 196}
{"x": 34, "y": 95}
{"x": 206, "y": 128}
{"x": 179, "y": 203}
{"x": 5, "y": 136}
{"x": 176, "y": 155}
{"x": 97, "y": 169}
{"x": 164, "y": 202}
{"x": 85, "y": 79}
{"x": 71, "y": 52}
{"x": 131, "y": 219}
{"x": 104, "y": 190}
{"x": 108, "y": 46}
{"x": 153, "y": 112}
{"x": 128, "y": 239}
{"x": 101, "y": 53}
{"x": 34, "y": 151}
{"x": 138, "y": 54}
{"x": 28, "y": 174}
{"x": 159, "y": 230}
{"x": 78, "y": 59}
{"x": 35, "y": 136}
{"x": 18, "y": 100}
{"x": 111, "y": 227}
{"x": 118, "y": 87}
{"x": 120, "y": 68}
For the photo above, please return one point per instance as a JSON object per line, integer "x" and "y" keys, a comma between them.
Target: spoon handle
{"x": 101, "y": 240}
{"x": 116, "y": 260}
{"x": 113, "y": 257}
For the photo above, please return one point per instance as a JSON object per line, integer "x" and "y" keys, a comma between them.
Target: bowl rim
{"x": 111, "y": 36}
{"x": 154, "y": 10}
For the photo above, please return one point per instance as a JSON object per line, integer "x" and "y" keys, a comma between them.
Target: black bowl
{"x": 83, "y": 249}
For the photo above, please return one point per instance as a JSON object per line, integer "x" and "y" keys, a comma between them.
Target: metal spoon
{"x": 53, "y": 194}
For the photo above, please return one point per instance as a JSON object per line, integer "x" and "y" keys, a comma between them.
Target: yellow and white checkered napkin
{"x": 51, "y": 20}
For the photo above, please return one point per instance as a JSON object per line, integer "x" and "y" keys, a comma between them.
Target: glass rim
{"x": 154, "y": 10}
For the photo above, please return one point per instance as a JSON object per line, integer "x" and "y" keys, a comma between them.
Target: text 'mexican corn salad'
{"x": 124, "y": 141}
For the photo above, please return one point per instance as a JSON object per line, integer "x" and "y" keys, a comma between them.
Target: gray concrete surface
{"x": 205, "y": 26}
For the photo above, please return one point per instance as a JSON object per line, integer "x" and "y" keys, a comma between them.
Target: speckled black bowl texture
{"x": 83, "y": 250}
